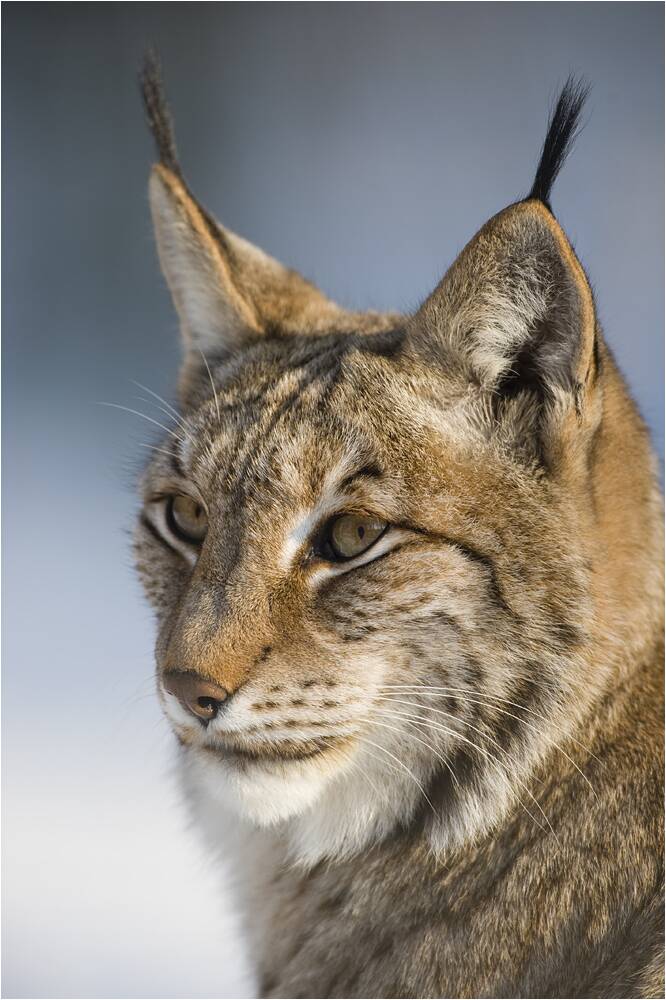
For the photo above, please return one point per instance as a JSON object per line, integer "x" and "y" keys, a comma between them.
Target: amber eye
{"x": 350, "y": 535}
{"x": 187, "y": 519}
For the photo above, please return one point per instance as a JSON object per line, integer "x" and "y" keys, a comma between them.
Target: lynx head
{"x": 388, "y": 575}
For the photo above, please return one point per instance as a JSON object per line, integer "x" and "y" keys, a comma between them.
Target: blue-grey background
{"x": 361, "y": 143}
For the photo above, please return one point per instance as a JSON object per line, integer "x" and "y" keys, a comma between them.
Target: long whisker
{"x": 449, "y": 715}
{"x": 424, "y": 743}
{"x": 494, "y": 700}
{"x": 357, "y": 769}
{"x": 486, "y": 697}
{"x": 177, "y": 418}
{"x": 212, "y": 385}
{"x": 380, "y": 760}
{"x": 373, "y": 756}
{"x": 145, "y": 688}
{"x": 161, "y": 399}
{"x": 364, "y": 739}
{"x": 137, "y": 413}
{"x": 162, "y": 451}
{"x": 534, "y": 729}
{"x": 494, "y": 763}
{"x": 135, "y": 699}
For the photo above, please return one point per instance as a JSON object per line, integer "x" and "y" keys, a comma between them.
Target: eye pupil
{"x": 361, "y": 532}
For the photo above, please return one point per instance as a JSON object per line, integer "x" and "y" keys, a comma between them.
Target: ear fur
{"x": 515, "y": 311}
{"x": 214, "y": 315}
{"x": 226, "y": 290}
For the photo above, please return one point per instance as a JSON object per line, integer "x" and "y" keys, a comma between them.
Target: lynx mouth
{"x": 282, "y": 753}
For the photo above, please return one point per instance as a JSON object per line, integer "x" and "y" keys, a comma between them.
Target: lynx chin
{"x": 407, "y": 572}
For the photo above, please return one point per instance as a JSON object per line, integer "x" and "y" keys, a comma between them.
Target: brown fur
{"x": 448, "y": 755}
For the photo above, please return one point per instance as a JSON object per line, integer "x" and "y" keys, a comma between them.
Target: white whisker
{"x": 492, "y": 761}
{"x": 423, "y": 742}
{"x": 364, "y": 739}
{"x": 162, "y": 451}
{"x": 495, "y": 700}
{"x": 357, "y": 769}
{"x": 137, "y": 413}
{"x": 179, "y": 420}
{"x": 212, "y": 385}
{"x": 448, "y": 715}
{"x": 172, "y": 409}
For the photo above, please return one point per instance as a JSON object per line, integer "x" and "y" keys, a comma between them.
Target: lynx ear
{"x": 225, "y": 290}
{"x": 213, "y": 312}
{"x": 515, "y": 311}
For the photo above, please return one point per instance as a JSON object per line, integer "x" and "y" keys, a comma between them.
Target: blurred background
{"x": 361, "y": 143}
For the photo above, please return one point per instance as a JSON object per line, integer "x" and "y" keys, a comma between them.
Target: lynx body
{"x": 408, "y": 580}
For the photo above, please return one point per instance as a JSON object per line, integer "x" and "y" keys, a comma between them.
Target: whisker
{"x": 494, "y": 700}
{"x": 134, "y": 700}
{"x": 494, "y": 763}
{"x": 423, "y": 742}
{"x": 487, "y": 697}
{"x": 145, "y": 688}
{"x": 166, "y": 412}
{"x": 212, "y": 385}
{"x": 364, "y": 739}
{"x": 163, "y": 451}
{"x": 137, "y": 413}
{"x": 449, "y": 715}
{"x": 161, "y": 399}
{"x": 357, "y": 769}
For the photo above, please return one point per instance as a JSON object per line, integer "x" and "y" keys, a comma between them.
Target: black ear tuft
{"x": 157, "y": 112}
{"x": 563, "y": 127}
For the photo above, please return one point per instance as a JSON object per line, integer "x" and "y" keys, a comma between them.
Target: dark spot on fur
{"x": 331, "y": 704}
{"x": 474, "y": 673}
{"x": 265, "y": 653}
{"x": 566, "y": 634}
{"x": 466, "y": 764}
{"x": 442, "y": 618}
{"x": 297, "y": 702}
{"x": 381, "y": 950}
{"x": 330, "y": 905}
{"x": 508, "y": 726}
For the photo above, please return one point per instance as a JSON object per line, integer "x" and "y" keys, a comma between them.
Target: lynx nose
{"x": 200, "y": 697}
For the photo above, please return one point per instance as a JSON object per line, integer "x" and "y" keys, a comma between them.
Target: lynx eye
{"x": 187, "y": 519}
{"x": 352, "y": 534}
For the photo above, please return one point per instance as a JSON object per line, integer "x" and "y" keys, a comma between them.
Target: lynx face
{"x": 366, "y": 539}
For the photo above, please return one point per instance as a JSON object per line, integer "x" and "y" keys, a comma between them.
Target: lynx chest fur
{"x": 407, "y": 572}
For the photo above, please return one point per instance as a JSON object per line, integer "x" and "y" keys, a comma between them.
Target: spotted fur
{"x": 445, "y": 753}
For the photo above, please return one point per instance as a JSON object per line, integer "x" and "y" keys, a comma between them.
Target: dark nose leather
{"x": 202, "y": 698}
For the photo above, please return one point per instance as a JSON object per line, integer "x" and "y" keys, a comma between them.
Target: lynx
{"x": 407, "y": 572}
